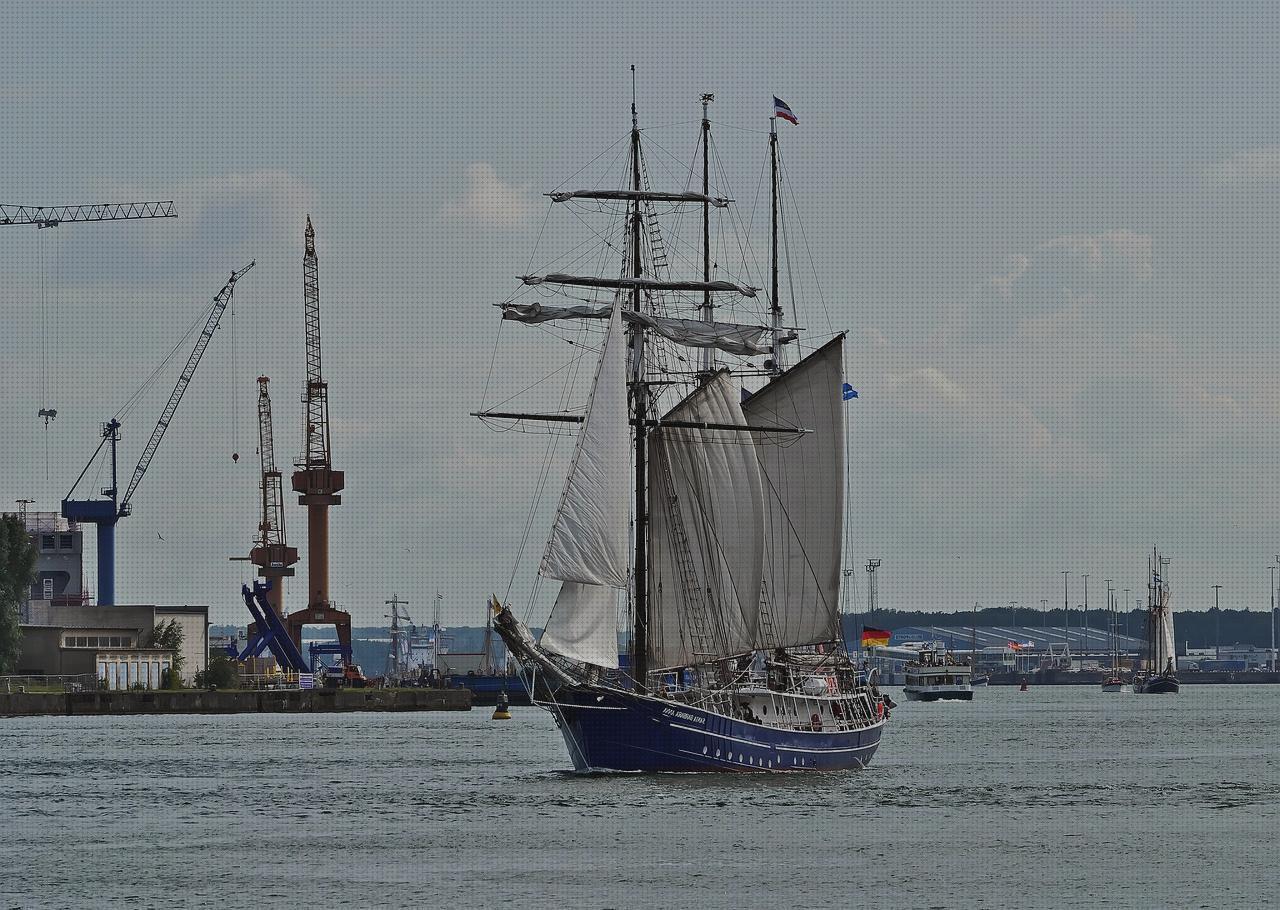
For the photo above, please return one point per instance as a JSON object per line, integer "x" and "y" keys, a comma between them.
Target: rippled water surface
{"x": 1048, "y": 798}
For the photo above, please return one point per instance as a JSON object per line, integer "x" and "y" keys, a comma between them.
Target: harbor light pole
{"x": 1066, "y": 610}
{"x": 1110, "y": 615}
{"x": 1044, "y": 613}
{"x": 1084, "y": 616}
{"x": 1273, "y": 616}
{"x": 1217, "y": 624}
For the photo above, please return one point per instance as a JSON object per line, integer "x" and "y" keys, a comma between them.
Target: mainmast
{"x": 708, "y": 354}
{"x": 775, "y": 303}
{"x": 640, "y": 397}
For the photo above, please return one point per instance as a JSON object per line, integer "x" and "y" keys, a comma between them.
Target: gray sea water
{"x": 1060, "y": 796}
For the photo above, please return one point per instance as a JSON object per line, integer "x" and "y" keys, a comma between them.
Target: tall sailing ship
{"x": 1159, "y": 677}
{"x": 714, "y": 512}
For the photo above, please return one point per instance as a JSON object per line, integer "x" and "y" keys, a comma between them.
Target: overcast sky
{"x": 1050, "y": 230}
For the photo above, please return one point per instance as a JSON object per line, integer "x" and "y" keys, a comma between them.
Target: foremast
{"x": 640, "y": 406}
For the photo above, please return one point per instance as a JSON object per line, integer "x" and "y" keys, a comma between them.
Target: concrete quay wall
{"x": 90, "y": 704}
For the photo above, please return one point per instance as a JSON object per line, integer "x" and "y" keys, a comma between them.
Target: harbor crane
{"x": 105, "y": 513}
{"x": 315, "y": 480}
{"x": 272, "y": 554}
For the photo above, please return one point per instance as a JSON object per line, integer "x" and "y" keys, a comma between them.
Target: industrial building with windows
{"x": 65, "y": 634}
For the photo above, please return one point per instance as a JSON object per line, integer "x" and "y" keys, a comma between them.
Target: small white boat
{"x": 937, "y": 676}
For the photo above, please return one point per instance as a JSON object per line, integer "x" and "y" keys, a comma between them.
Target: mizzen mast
{"x": 775, "y": 305}
{"x": 708, "y": 355}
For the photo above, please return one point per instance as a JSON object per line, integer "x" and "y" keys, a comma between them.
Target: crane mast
{"x": 271, "y": 554}
{"x": 315, "y": 480}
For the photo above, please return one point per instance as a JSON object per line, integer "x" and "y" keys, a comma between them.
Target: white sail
{"x": 588, "y": 542}
{"x": 730, "y": 337}
{"x": 1165, "y": 648}
{"x": 584, "y": 624}
{"x": 705, "y": 544}
{"x": 803, "y": 485}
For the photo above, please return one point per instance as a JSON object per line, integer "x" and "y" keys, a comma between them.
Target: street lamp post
{"x": 1217, "y": 625}
{"x": 1110, "y": 617}
{"x": 1273, "y": 616}
{"x": 1084, "y": 616}
{"x": 1066, "y": 610}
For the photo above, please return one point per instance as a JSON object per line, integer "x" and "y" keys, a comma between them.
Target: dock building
{"x": 65, "y": 634}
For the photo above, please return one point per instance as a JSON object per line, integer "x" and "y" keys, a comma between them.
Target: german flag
{"x": 874, "y": 638}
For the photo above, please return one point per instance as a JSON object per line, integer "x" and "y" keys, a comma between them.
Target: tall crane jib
{"x": 315, "y": 480}
{"x": 106, "y": 512}
{"x": 47, "y": 216}
{"x": 271, "y": 552}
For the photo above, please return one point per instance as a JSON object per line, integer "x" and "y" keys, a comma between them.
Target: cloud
{"x": 489, "y": 200}
{"x": 233, "y": 217}
{"x": 875, "y": 336}
{"x": 925, "y": 389}
{"x": 1259, "y": 165}
{"x": 1075, "y": 258}
{"x": 1056, "y": 279}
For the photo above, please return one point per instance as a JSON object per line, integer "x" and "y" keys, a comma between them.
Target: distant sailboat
{"x": 978, "y": 679}
{"x": 1159, "y": 677}
{"x": 1114, "y": 681}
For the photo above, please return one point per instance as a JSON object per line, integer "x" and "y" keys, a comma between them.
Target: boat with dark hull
{"x": 1160, "y": 641}
{"x": 707, "y": 512}
{"x": 755, "y": 725}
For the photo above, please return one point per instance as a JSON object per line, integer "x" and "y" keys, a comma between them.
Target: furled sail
{"x": 705, "y": 545}
{"x": 640, "y": 195}
{"x": 643, "y": 284}
{"x": 803, "y": 485}
{"x": 588, "y": 542}
{"x": 584, "y": 624}
{"x": 732, "y": 338}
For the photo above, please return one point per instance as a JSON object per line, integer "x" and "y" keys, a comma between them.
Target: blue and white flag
{"x": 780, "y": 109}
{"x": 849, "y": 392}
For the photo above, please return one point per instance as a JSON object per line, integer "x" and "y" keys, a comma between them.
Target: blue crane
{"x": 106, "y": 512}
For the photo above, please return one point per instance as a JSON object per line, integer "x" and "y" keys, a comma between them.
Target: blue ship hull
{"x": 610, "y": 730}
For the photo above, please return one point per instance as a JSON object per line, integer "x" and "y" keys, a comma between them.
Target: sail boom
{"x": 640, "y": 284}
{"x": 719, "y": 202}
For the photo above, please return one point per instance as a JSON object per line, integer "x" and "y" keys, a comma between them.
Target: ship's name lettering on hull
{"x": 684, "y": 715}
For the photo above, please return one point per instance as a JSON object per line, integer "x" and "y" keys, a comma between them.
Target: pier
{"x": 267, "y": 701}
